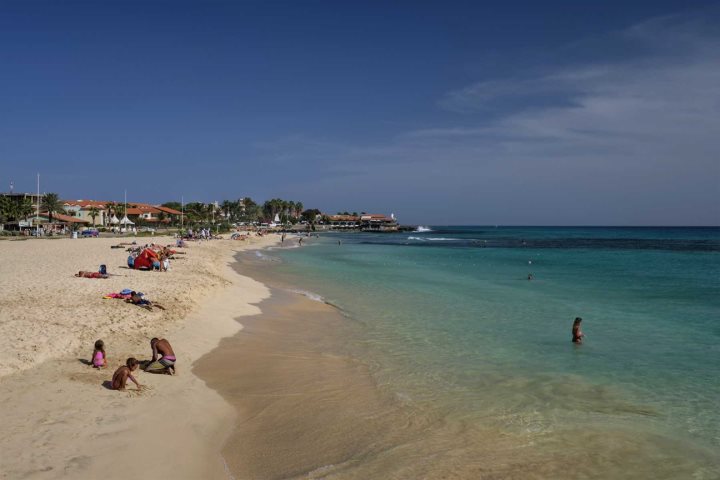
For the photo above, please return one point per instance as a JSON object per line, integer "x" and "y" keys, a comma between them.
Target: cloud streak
{"x": 630, "y": 141}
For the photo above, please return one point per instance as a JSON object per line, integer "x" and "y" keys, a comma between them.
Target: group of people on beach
{"x": 151, "y": 257}
{"x": 202, "y": 234}
{"x": 163, "y": 361}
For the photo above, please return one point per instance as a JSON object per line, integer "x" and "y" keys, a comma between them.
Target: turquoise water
{"x": 451, "y": 325}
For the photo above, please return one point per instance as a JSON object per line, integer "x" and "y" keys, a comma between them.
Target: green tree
{"x": 174, "y": 205}
{"x": 196, "y": 212}
{"x": 6, "y": 209}
{"x": 310, "y": 215}
{"x": 94, "y": 212}
{"x": 226, "y": 206}
{"x": 25, "y": 209}
{"x": 250, "y": 211}
{"x": 51, "y": 204}
{"x": 119, "y": 210}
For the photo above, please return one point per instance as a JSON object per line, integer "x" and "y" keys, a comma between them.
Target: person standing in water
{"x": 577, "y": 335}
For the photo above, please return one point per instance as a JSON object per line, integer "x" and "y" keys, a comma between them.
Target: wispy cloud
{"x": 630, "y": 140}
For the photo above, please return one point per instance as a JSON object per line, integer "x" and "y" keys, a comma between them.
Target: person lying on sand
{"x": 166, "y": 363}
{"x": 121, "y": 375}
{"x": 137, "y": 299}
{"x": 83, "y": 274}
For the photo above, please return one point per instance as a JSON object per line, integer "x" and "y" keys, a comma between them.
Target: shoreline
{"x": 296, "y": 392}
{"x": 59, "y": 422}
{"x": 294, "y": 388}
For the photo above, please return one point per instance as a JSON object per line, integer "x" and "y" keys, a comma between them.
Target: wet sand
{"x": 304, "y": 405}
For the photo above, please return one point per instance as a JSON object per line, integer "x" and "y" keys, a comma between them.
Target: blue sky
{"x": 554, "y": 113}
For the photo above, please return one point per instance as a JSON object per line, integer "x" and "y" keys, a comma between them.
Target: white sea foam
{"x": 423, "y": 228}
{"x": 312, "y": 296}
{"x": 229, "y": 475}
{"x": 434, "y": 239}
{"x": 266, "y": 258}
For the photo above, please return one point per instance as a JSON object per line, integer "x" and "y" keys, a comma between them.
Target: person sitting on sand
{"x": 99, "y": 358}
{"x": 84, "y": 274}
{"x": 122, "y": 374}
{"x": 577, "y": 334}
{"x": 137, "y": 299}
{"x": 166, "y": 363}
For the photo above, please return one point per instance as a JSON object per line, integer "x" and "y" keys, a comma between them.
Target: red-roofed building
{"x": 378, "y": 223}
{"x": 144, "y": 212}
{"x": 151, "y": 213}
{"x": 83, "y": 208}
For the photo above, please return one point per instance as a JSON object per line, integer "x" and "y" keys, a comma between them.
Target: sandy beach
{"x": 59, "y": 421}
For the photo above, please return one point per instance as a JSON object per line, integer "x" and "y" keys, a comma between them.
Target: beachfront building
{"x": 152, "y": 214}
{"x": 371, "y": 222}
{"x": 105, "y": 216}
{"x": 60, "y": 223}
{"x": 15, "y": 208}
{"x": 21, "y": 197}
{"x": 343, "y": 222}
{"x": 92, "y": 211}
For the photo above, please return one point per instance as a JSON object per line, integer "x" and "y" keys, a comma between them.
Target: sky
{"x": 446, "y": 112}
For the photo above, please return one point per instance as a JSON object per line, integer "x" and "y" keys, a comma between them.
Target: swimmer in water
{"x": 577, "y": 334}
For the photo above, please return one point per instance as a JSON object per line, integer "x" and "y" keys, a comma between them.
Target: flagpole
{"x": 182, "y": 213}
{"x": 37, "y": 210}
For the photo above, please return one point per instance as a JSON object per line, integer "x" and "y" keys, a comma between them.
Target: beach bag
{"x": 103, "y": 269}
{"x": 131, "y": 261}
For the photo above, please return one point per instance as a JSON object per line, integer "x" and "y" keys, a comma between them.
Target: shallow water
{"x": 474, "y": 364}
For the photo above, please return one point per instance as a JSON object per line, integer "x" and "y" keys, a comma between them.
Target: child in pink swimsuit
{"x": 99, "y": 359}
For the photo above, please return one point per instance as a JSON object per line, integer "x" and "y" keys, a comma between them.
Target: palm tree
{"x": 195, "y": 212}
{"x": 226, "y": 207}
{"x": 94, "y": 212}
{"x": 51, "y": 203}
{"x": 24, "y": 209}
{"x": 299, "y": 207}
{"x": 6, "y": 208}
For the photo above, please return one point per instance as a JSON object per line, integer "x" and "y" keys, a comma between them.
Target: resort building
{"x": 106, "y": 212}
{"x": 378, "y": 223}
{"x": 59, "y": 222}
{"x": 343, "y": 221}
{"x": 86, "y": 210}
{"x": 20, "y": 197}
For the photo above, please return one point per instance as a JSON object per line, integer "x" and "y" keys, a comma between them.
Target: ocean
{"x": 481, "y": 358}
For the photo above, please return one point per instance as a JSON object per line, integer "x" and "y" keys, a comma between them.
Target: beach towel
{"x": 91, "y": 275}
{"x": 124, "y": 294}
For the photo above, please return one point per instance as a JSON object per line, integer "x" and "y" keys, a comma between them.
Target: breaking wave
{"x": 435, "y": 239}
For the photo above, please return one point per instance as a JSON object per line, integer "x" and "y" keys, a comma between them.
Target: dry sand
{"x": 58, "y": 420}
